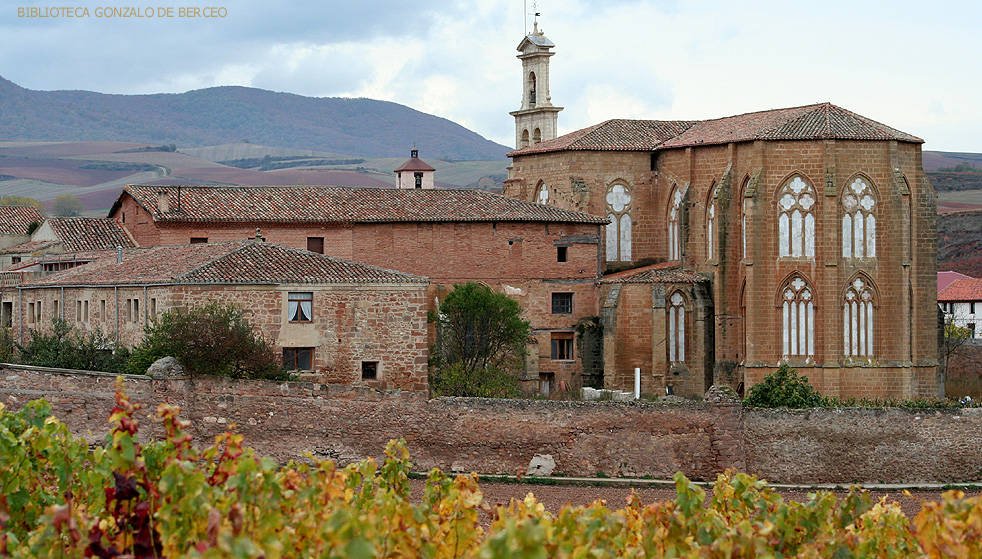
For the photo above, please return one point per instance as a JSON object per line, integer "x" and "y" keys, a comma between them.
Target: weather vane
{"x": 535, "y": 15}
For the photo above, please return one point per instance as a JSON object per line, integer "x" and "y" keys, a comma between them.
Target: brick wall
{"x": 285, "y": 420}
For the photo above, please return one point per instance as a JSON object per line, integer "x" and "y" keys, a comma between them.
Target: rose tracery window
{"x": 858, "y": 221}
{"x": 619, "y": 229}
{"x": 857, "y": 319}
{"x": 798, "y": 319}
{"x": 796, "y": 221}
{"x": 674, "y": 240}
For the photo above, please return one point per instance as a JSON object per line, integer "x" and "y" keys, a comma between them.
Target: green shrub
{"x": 6, "y": 345}
{"x": 211, "y": 340}
{"x": 65, "y": 347}
{"x": 454, "y": 380}
{"x": 784, "y": 389}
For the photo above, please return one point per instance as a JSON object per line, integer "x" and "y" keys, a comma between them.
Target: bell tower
{"x": 536, "y": 120}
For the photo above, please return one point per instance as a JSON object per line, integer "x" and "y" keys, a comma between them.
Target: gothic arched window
{"x": 857, "y": 319}
{"x": 542, "y": 193}
{"x": 796, "y": 222}
{"x": 619, "y": 229}
{"x": 711, "y": 231}
{"x": 676, "y": 328}
{"x": 798, "y": 318}
{"x": 858, "y": 221}
{"x": 674, "y": 213}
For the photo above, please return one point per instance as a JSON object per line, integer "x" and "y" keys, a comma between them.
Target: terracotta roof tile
{"x": 962, "y": 290}
{"x": 317, "y": 204}
{"x": 946, "y": 277}
{"x": 665, "y": 272}
{"x": 29, "y": 247}
{"x": 233, "y": 262}
{"x": 14, "y": 220}
{"x": 811, "y": 122}
{"x": 87, "y": 233}
{"x": 611, "y": 135}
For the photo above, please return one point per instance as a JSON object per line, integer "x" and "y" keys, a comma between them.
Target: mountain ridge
{"x": 227, "y": 114}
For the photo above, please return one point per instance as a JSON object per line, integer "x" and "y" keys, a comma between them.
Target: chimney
{"x": 163, "y": 201}
{"x": 119, "y": 255}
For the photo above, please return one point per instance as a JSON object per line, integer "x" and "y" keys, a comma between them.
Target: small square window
{"x": 369, "y": 370}
{"x": 15, "y": 260}
{"x": 562, "y": 303}
{"x": 315, "y": 244}
{"x": 561, "y": 254}
{"x": 298, "y": 358}
{"x": 562, "y": 346}
{"x": 300, "y": 306}
{"x": 199, "y": 240}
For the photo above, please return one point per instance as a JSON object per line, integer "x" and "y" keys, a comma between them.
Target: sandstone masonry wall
{"x": 286, "y": 420}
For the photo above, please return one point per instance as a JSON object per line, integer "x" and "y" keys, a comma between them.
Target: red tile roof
{"x": 86, "y": 233}
{"x": 14, "y": 220}
{"x": 613, "y": 135}
{"x": 236, "y": 262}
{"x": 318, "y": 204}
{"x": 29, "y": 247}
{"x": 962, "y": 290}
{"x": 812, "y": 122}
{"x": 946, "y": 277}
{"x": 414, "y": 164}
{"x": 665, "y": 272}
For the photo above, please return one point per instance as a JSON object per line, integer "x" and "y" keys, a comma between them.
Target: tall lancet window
{"x": 711, "y": 232}
{"x": 858, "y": 221}
{"x": 796, "y": 224}
{"x": 674, "y": 231}
{"x": 619, "y": 229}
{"x": 542, "y": 194}
{"x": 744, "y": 224}
{"x": 798, "y": 318}
{"x": 676, "y": 328}
{"x": 857, "y": 319}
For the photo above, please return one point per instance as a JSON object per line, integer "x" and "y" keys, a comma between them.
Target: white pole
{"x": 637, "y": 383}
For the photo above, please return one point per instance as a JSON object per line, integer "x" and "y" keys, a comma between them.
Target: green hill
{"x": 222, "y": 115}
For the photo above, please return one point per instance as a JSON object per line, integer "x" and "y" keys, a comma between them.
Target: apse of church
{"x": 801, "y": 236}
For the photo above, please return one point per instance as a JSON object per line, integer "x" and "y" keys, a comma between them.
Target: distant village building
{"x": 15, "y": 223}
{"x": 414, "y": 173}
{"x": 961, "y": 302}
{"x": 803, "y": 236}
{"x": 66, "y": 235}
{"x": 348, "y": 323}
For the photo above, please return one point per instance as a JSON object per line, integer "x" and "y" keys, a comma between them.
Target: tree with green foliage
{"x": 784, "y": 389}
{"x": 480, "y": 343}
{"x": 215, "y": 339}
{"x": 67, "y": 205}
{"x": 65, "y": 347}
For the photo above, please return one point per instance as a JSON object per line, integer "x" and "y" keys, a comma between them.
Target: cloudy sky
{"x": 913, "y": 65}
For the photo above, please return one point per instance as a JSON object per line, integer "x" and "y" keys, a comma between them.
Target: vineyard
{"x": 168, "y": 498}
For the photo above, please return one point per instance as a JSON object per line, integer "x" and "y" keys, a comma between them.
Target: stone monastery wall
{"x": 285, "y": 420}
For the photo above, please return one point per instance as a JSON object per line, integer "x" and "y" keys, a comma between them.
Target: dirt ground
{"x": 554, "y": 497}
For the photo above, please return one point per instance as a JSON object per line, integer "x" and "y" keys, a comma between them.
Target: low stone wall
{"x": 287, "y": 420}
{"x": 864, "y": 445}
